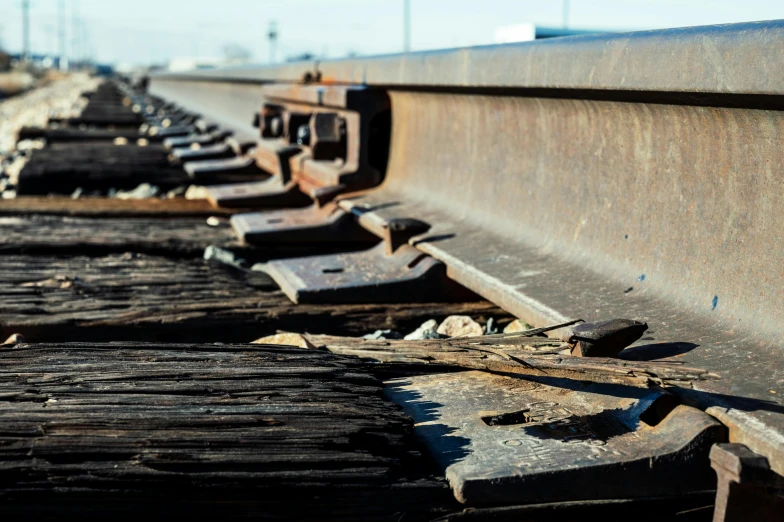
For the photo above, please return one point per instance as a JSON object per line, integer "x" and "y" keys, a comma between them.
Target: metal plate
{"x": 207, "y": 170}
{"x": 370, "y": 276}
{"x": 308, "y": 225}
{"x": 267, "y": 193}
{"x": 203, "y": 153}
{"x": 200, "y": 139}
{"x": 505, "y": 440}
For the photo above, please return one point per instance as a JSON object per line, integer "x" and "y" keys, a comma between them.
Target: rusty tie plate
{"x": 504, "y": 440}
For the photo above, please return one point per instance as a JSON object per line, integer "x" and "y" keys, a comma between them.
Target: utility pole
{"x": 61, "y": 28}
{"x": 406, "y": 26}
{"x": 26, "y": 30}
{"x": 75, "y": 50}
{"x": 273, "y": 40}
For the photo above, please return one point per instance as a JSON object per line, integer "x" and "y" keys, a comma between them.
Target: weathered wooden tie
{"x": 151, "y": 298}
{"x": 63, "y": 169}
{"x": 176, "y": 237}
{"x": 100, "y": 207}
{"x": 236, "y": 430}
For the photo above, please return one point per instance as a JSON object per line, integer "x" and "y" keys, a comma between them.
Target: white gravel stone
{"x": 460, "y": 326}
{"x": 428, "y": 330}
{"x": 221, "y": 255}
{"x": 517, "y": 326}
{"x": 176, "y": 193}
{"x": 143, "y": 191}
{"x": 196, "y": 192}
{"x": 61, "y": 98}
{"x": 382, "y": 334}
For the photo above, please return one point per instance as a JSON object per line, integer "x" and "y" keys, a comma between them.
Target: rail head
{"x": 745, "y": 58}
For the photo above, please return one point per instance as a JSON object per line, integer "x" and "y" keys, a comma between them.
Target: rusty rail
{"x": 630, "y": 175}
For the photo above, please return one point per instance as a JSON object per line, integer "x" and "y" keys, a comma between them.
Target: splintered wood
{"x": 275, "y": 429}
{"x": 143, "y": 297}
{"x": 467, "y": 353}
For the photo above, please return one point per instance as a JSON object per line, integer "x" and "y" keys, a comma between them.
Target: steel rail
{"x": 631, "y": 175}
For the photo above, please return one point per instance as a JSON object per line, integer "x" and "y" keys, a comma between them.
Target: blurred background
{"x": 105, "y": 35}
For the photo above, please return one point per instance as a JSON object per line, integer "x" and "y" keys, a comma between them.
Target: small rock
{"x": 14, "y": 339}
{"x": 76, "y": 194}
{"x": 176, "y": 192}
{"x": 213, "y": 221}
{"x": 285, "y": 338}
{"x": 221, "y": 255}
{"x": 196, "y": 192}
{"x": 517, "y": 326}
{"x": 426, "y": 331}
{"x": 259, "y": 267}
{"x": 490, "y": 328}
{"x": 9, "y": 194}
{"x": 28, "y": 145}
{"x": 143, "y": 191}
{"x": 120, "y": 141}
{"x": 460, "y": 326}
{"x": 383, "y": 334}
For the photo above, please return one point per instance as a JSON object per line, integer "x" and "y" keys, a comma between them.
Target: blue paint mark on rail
{"x": 715, "y": 301}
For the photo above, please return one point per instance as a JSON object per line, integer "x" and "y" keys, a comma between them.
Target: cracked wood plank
{"x": 516, "y": 360}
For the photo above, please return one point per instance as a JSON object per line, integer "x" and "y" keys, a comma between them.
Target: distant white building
{"x": 187, "y": 64}
{"x": 528, "y": 32}
{"x": 515, "y": 33}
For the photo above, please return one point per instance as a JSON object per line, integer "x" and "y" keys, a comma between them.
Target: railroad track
{"x": 582, "y": 238}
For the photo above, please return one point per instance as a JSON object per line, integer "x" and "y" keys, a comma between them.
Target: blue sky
{"x": 158, "y": 30}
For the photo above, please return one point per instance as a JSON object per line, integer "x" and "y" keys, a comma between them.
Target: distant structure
{"x": 528, "y": 32}
{"x": 272, "y": 35}
{"x": 188, "y": 64}
{"x": 26, "y": 30}
{"x": 61, "y": 30}
{"x": 302, "y": 57}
